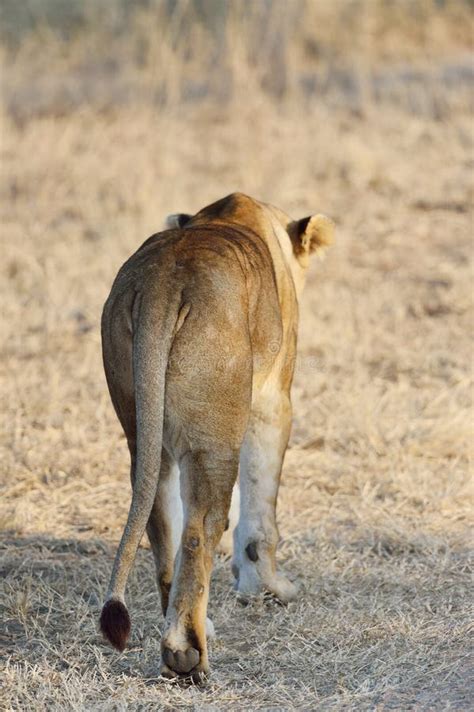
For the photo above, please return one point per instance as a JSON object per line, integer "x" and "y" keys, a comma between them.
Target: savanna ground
{"x": 361, "y": 110}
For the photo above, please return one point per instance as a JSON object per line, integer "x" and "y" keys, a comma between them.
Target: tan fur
{"x": 199, "y": 344}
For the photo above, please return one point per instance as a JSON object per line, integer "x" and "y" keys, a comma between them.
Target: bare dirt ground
{"x": 375, "y": 498}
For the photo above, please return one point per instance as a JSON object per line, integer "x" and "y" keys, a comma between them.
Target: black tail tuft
{"x": 115, "y": 623}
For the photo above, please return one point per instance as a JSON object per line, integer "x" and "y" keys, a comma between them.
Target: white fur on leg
{"x": 210, "y": 630}
{"x": 225, "y": 546}
{"x": 173, "y": 506}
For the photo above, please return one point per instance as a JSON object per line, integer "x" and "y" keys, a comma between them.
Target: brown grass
{"x": 376, "y": 496}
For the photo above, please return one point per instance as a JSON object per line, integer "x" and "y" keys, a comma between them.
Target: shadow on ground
{"x": 366, "y": 626}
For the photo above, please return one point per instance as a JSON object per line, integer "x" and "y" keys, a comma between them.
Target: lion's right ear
{"x": 311, "y": 235}
{"x": 177, "y": 220}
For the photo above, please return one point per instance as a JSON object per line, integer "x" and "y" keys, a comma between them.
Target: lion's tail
{"x": 153, "y": 325}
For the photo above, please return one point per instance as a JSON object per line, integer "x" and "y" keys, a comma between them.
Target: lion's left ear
{"x": 311, "y": 235}
{"x": 177, "y": 220}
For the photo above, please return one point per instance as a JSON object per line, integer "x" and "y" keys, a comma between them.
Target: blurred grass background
{"x": 58, "y": 55}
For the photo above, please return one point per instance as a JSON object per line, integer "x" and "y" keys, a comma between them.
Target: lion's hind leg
{"x": 165, "y": 525}
{"x": 207, "y": 482}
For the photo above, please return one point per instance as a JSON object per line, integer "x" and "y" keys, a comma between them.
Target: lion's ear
{"x": 312, "y": 234}
{"x": 177, "y": 220}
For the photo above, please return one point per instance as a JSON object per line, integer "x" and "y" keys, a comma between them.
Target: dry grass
{"x": 376, "y": 496}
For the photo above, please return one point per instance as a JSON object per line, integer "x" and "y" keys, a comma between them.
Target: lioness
{"x": 199, "y": 340}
